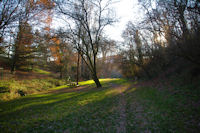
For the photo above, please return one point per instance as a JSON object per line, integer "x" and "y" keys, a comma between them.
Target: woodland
{"x": 61, "y": 72}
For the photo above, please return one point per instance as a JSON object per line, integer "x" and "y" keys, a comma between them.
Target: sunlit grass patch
{"x": 60, "y": 87}
{"x": 131, "y": 90}
{"x": 102, "y": 81}
{"x": 120, "y": 81}
{"x": 109, "y": 80}
{"x": 10, "y": 88}
{"x": 40, "y": 71}
{"x": 88, "y": 82}
{"x": 113, "y": 92}
{"x": 91, "y": 82}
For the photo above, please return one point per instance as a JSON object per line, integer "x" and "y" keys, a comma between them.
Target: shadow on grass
{"x": 96, "y": 110}
{"x": 150, "y": 109}
{"x": 83, "y": 111}
{"x": 52, "y": 95}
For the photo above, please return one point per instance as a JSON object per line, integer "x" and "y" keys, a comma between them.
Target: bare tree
{"x": 169, "y": 31}
{"x": 137, "y": 53}
{"x": 13, "y": 10}
{"x": 107, "y": 49}
{"x": 88, "y": 20}
{"x": 9, "y": 12}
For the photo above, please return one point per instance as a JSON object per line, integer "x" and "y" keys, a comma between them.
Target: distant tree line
{"x": 78, "y": 50}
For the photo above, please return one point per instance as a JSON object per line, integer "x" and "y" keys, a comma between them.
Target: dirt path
{"x": 121, "y": 89}
{"x": 122, "y": 109}
{"x": 122, "y": 113}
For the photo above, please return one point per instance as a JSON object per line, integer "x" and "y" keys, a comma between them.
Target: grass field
{"x": 40, "y": 71}
{"x": 120, "y": 106}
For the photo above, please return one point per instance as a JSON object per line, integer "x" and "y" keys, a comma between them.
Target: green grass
{"x": 97, "y": 109}
{"x": 9, "y": 88}
{"x": 40, "y": 71}
{"x": 150, "y": 109}
{"x": 103, "y": 81}
{"x": 88, "y": 111}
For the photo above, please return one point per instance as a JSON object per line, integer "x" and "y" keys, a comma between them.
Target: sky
{"x": 126, "y": 10}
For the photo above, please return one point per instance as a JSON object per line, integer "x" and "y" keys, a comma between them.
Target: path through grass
{"x": 117, "y": 107}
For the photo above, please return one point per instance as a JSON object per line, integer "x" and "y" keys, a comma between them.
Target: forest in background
{"x": 28, "y": 42}
{"x": 164, "y": 42}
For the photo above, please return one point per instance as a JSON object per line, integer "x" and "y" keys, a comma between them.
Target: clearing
{"x": 120, "y": 106}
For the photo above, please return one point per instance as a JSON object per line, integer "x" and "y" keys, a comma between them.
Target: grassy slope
{"x": 97, "y": 110}
{"x": 40, "y": 71}
{"x": 9, "y": 88}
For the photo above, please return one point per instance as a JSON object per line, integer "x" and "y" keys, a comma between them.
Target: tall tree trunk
{"x": 82, "y": 69}
{"x": 92, "y": 68}
{"x": 96, "y": 80}
{"x": 77, "y": 74}
{"x": 12, "y": 69}
{"x": 13, "y": 63}
{"x": 61, "y": 74}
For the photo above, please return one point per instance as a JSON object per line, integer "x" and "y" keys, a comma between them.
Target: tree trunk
{"x": 147, "y": 72}
{"x": 12, "y": 68}
{"x": 61, "y": 74}
{"x": 96, "y": 80}
{"x": 77, "y": 74}
{"x": 92, "y": 68}
{"x": 13, "y": 64}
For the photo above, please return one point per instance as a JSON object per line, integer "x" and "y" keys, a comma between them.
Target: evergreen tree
{"x": 23, "y": 53}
